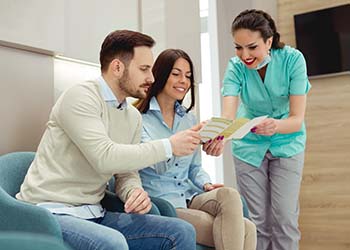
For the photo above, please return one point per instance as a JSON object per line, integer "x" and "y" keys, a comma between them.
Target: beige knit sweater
{"x": 85, "y": 143}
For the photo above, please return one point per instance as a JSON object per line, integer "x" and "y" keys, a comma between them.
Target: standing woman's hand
{"x": 214, "y": 147}
{"x": 269, "y": 126}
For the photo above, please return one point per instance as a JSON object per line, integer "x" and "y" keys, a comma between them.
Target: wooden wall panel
{"x": 325, "y": 192}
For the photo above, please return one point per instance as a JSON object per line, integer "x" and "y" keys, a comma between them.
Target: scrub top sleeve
{"x": 299, "y": 83}
{"x": 232, "y": 79}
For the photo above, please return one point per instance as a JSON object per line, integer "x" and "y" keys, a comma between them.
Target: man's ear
{"x": 117, "y": 67}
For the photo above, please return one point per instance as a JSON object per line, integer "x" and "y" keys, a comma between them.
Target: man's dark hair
{"x": 120, "y": 44}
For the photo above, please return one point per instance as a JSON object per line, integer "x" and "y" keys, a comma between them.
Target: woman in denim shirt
{"x": 214, "y": 210}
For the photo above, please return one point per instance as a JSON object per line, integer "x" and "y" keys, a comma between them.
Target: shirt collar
{"x": 108, "y": 95}
{"x": 179, "y": 109}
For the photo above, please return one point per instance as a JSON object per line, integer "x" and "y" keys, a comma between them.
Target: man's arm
{"x": 129, "y": 188}
{"x": 79, "y": 115}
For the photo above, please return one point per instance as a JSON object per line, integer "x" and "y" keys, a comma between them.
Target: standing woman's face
{"x": 250, "y": 47}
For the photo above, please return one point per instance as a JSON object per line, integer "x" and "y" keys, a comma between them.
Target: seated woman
{"x": 215, "y": 211}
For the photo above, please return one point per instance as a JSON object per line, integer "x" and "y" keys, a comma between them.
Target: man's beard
{"x": 127, "y": 87}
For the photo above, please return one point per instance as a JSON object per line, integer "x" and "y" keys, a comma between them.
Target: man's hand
{"x": 208, "y": 186}
{"x": 138, "y": 202}
{"x": 185, "y": 142}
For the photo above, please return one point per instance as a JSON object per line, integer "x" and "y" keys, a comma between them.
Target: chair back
{"x": 13, "y": 169}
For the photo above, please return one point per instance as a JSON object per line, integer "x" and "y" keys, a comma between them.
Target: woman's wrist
{"x": 206, "y": 186}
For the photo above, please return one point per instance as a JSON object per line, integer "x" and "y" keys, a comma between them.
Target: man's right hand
{"x": 185, "y": 142}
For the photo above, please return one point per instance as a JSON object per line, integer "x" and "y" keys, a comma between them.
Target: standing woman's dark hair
{"x": 161, "y": 70}
{"x": 258, "y": 20}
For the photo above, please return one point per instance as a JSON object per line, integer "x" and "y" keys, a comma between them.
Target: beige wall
{"x": 32, "y": 31}
{"x": 26, "y": 98}
{"x": 325, "y": 192}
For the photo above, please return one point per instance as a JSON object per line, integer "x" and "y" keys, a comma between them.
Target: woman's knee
{"x": 229, "y": 195}
{"x": 250, "y": 228}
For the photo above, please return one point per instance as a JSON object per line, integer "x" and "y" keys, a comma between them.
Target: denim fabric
{"x": 121, "y": 231}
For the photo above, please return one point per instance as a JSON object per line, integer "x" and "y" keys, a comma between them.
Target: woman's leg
{"x": 285, "y": 178}
{"x": 250, "y": 235}
{"x": 202, "y": 222}
{"x": 253, "y": 184}
{"x": 225, "y": 205}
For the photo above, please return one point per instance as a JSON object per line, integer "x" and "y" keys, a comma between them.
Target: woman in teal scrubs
{"x": 270, "y": 79}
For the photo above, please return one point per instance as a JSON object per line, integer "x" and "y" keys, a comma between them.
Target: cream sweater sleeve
{"x": 126, "y": 182}
{"x": 79, "y": 115}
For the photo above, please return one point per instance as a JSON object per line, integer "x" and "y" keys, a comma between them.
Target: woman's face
{"x": 178, "y": 82}
{"x": 250, "y": 47}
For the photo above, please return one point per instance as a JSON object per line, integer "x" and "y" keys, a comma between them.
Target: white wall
{"x": 31, "y": 32}
{"x": 37, "y": 24}
{"x": 87, "y": 23}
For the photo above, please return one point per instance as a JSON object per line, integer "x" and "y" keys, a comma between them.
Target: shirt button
{"x": 176, "y": 164}
{"x": 175, "y": 177}
{"x": 179, "y": 184}
{"x": 182, "y": 194}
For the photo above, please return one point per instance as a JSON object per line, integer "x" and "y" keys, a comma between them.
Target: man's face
{"x": 138, "y": 77}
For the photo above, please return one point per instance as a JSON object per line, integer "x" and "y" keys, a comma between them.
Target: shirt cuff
{"x": 168, "y": 148}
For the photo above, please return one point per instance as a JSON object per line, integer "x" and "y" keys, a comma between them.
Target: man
{"x": 93, "y": 134}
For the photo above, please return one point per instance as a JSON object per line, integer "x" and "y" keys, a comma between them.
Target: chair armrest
{"x": 165, "y": 207}
{"x": 112, "y": 203}
{"x": 17, "y": 215}
{"x": 245, "y": 208}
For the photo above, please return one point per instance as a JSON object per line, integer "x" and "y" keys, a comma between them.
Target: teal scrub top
{"x": 285, "y": 76}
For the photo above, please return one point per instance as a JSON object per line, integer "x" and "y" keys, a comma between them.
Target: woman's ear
{"x": 117, "y": 67}
{"x": 269, "y": 42}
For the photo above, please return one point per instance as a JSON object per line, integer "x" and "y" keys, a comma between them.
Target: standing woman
{"x": 215, "y": 211}
{"x": 270, "y": 78}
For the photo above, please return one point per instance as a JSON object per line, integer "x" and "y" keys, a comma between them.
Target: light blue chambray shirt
{"x": 285, "y": 76}
{"x": 108, "y": 95}
{"x": 179, "y": 178}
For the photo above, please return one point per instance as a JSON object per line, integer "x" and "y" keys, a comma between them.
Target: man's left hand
{"x": 138, "y": 202}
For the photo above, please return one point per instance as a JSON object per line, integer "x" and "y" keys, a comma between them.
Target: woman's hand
{"x": 214, "y": 147}
{"x": 269, "y": 126}
{"x": 209, "y": 186}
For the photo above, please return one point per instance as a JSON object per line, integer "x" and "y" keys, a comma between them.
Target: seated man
{"x": 93, "y": 134}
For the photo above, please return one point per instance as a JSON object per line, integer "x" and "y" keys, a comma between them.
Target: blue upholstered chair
{"x": 30, "y": 241}
{"x": 22, "y": 225}
{"x": 16, "y": 215}
{"x": 21, "y": 217}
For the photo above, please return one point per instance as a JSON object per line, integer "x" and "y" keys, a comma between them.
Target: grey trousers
{"x": 272, "y": 195}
